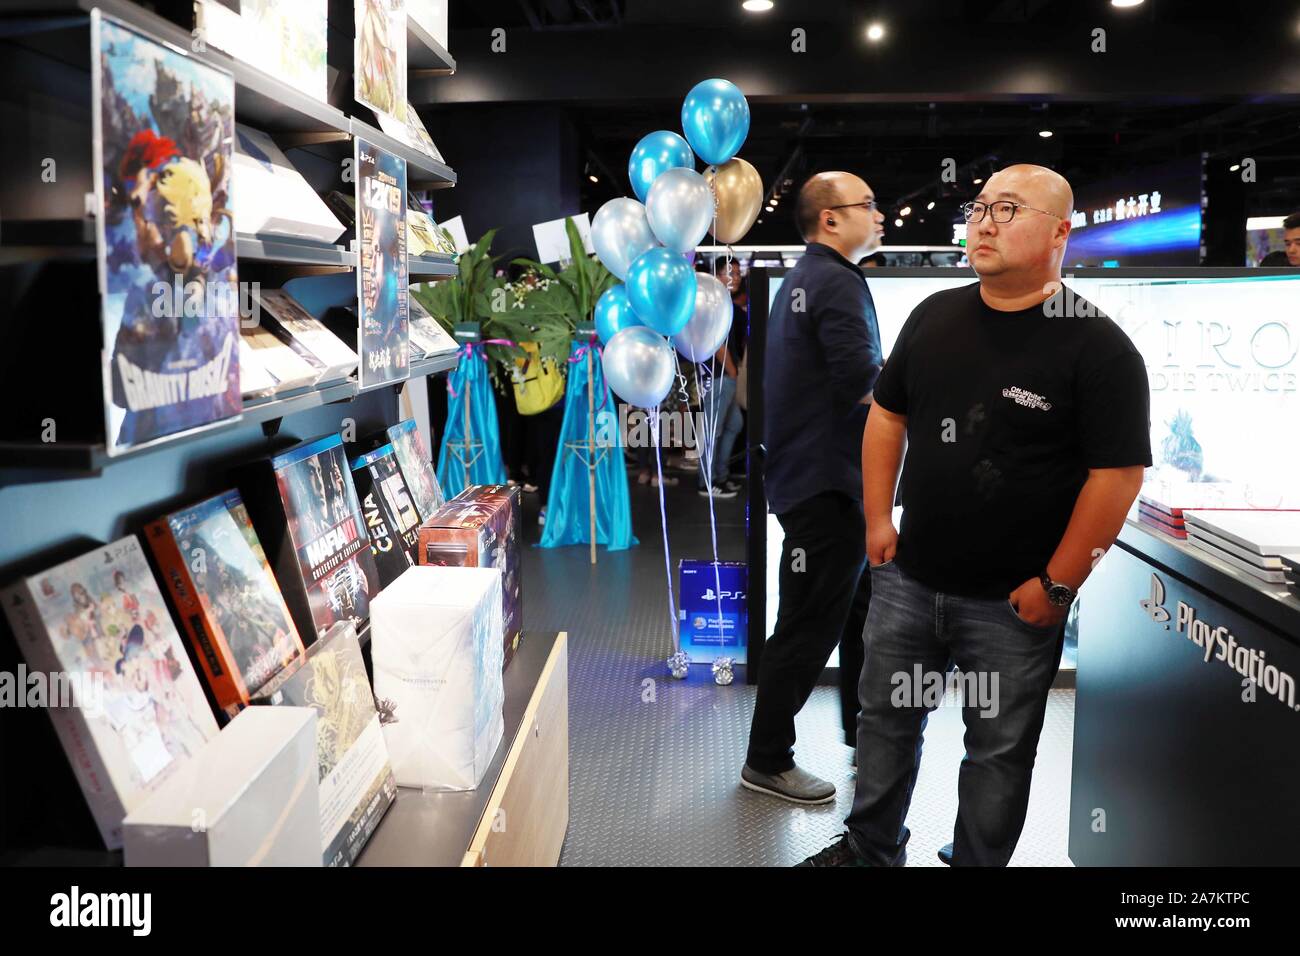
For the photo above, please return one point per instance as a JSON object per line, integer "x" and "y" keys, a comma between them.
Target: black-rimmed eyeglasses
{"x": 870, "y": 205}
{"x": 1004, "y": 210}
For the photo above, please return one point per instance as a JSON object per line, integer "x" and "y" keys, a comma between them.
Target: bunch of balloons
{"x": 649, "y": 242}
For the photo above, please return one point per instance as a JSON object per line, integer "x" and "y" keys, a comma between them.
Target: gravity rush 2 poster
{"x": 383, "y": 338}
{"x": 164, "y": 139}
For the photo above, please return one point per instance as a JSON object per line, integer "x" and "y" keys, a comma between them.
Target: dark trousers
{"x": 821, "y": 561}
{"x": 852, "y": 657}
{"x": 913, "y": 633}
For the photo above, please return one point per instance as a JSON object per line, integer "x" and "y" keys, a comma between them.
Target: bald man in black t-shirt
{"x": 1025, "y": 415}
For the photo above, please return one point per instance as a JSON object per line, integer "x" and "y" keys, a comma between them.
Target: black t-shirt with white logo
{"x": 1006, "y": 412}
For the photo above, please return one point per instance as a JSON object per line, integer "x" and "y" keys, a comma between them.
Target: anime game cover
{"x": 164, "y": 144}
{"x": 137, "y": 711}
{"x": 383, "y": 336}
{"x": 379, "y": 56}
{"x": 286, "y": 38}
{"x": 390, "y": 512}
{"x": 412, "y": 132}
{"x": 226, "y": 595}
{"x": 328, "y": 532}
{"x": 417, "y": 467}
{"x": 356, "y": 778}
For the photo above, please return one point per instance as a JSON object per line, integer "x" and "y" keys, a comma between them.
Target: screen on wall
{"x": 1147, "y": 217}
{"x": 1221, "y": 357}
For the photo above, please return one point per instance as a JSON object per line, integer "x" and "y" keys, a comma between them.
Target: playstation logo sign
{"x": 1154, "y": 605}
{"x": 709, "y": 595}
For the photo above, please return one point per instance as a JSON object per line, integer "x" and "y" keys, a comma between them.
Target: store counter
{"x": 1187, "y": 717}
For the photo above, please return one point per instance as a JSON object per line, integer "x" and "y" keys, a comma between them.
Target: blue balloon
{"x": 614, "y": 313}
{"x": 661, "y": 290}
{"x": 656, "y": 152}
{"x": 715, "y": 119}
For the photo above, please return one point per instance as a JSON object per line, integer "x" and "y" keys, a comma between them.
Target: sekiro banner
{"x": 164, "y": 143}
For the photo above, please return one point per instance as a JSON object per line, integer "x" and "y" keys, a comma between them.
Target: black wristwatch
{"x": 1058, "y": 594}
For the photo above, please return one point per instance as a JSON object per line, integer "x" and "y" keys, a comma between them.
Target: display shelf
{"x": 433, "y": 365}
{"x": 300, "y": 251}
{"x": 261, "y": 100}
{"x": 1270, "y": 603}
{"x": 432, "y": 265}
{"x": 424, "y": 54}
{"x": 428, "y": 828}
{"x": 41, "y": 461}
{"x": 422, "y": 171}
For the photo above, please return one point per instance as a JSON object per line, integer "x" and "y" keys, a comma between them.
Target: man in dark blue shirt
{"x": 823, "y": 356}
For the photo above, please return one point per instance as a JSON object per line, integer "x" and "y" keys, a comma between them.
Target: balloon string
{"x": 711, "y": 432}
{"x": 663, "y": 521}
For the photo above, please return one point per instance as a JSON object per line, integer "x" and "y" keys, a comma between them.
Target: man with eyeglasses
{"x": 823, "y": 356}
{"x": 1025, "y": 415}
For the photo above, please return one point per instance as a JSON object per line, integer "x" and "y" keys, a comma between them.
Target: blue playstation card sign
{"x": 704, "y": 636}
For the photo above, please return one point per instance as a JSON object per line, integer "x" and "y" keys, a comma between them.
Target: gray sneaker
{"x": 795, "y": 785}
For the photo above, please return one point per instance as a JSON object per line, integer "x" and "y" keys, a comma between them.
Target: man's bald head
{"x": 1031, "y": 185}
{"x": 1026, "y": 251}
{"x": 833, "y": 208}
{"x": 819, "y": 192}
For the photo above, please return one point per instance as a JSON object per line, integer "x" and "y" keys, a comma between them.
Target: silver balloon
{"x": 680, "y": 208}
{"x": 620, "y": 233}
{"x": 638, "y": 364}
{"x": 709, "y": 325}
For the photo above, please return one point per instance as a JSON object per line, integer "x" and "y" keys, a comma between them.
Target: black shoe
{"x": 730, "y": 485}
{"x": 945, "y": 854}
{"x": 839, "y": 853}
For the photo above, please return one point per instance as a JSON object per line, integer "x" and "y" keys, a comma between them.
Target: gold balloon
{"x": 739, "y": 192}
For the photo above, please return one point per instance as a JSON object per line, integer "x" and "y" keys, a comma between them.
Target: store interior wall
{"x": 517, "y": 166}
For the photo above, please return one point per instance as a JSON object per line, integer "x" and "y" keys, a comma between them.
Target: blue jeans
{"x": 914, "y": 631}
{"x": 730, "y": 422}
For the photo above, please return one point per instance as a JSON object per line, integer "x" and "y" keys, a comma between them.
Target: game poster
{"x": 328, "y": 532}
{"x": 379, "y": 56}
{"x": 417, "y": 467}
{"x": 140, "y": 710}
{"x": 383, "y": 336}
{"x": 164, "y": 133}
{"x": 245, "y": 612}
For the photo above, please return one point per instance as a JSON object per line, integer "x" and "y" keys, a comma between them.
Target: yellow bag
{"x": 538, "y": 384}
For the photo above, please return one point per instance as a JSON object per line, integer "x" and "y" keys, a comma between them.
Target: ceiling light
{"x": 875, "y": 32}
{"x": 898, "y": 222}
{"x": 1234, "y": 167}
{"x": 977, "y": 180}
{"x": 594, "y": 178}
{"x": 1045, "y": 133}
{"x": 905, "y": 211}
{"x": 758, "y": 6}
{"x": 774, "y": 200}
{"x": 931, "y": 206}
{"x": 1126, "y": 3}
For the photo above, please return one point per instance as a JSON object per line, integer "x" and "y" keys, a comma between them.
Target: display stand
{"x": 50, "y": 234}
{"x": 519, "y": 813}
{"x": 589, "y": 453}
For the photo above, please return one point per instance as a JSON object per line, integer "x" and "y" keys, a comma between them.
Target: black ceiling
{"x": 576, "y": 55}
